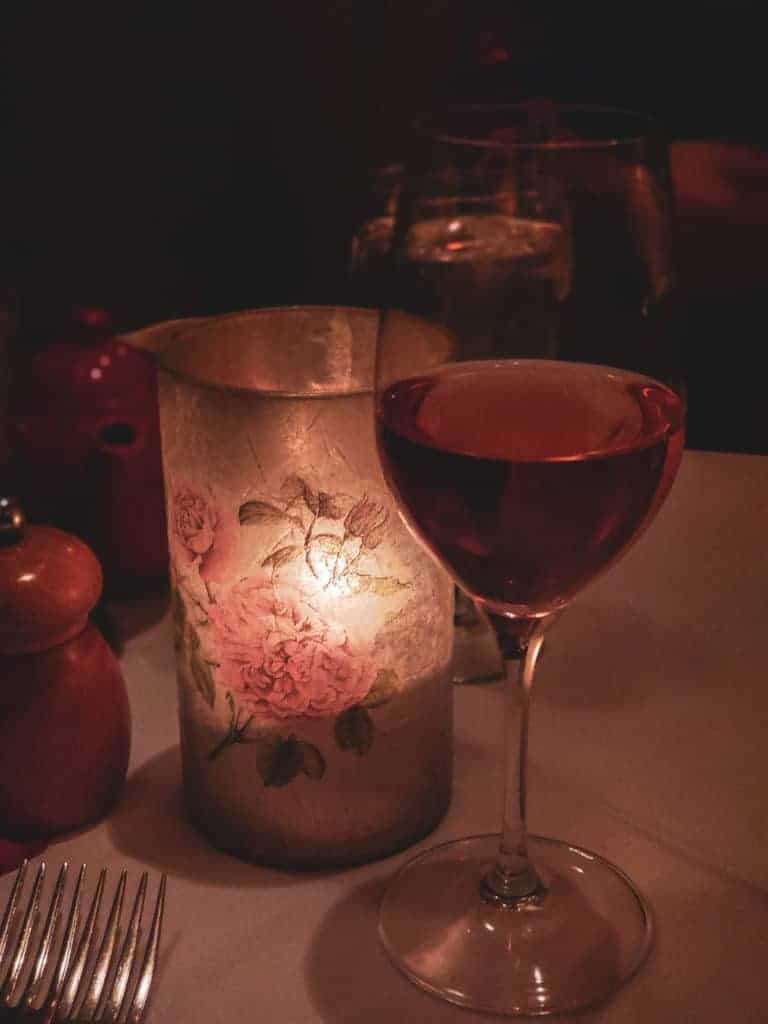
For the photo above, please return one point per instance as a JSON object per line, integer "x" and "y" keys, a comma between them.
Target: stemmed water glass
{"x": 539, "y": 231}
{"x": 527, "y": 478}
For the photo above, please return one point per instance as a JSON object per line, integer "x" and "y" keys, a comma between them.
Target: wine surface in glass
{"x": 529, "y": 477}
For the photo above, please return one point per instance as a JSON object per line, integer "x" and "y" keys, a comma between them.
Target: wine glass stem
{"x": 513, "y": 878}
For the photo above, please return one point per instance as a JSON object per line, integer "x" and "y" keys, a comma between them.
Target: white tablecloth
{"x": 650, "y": 741}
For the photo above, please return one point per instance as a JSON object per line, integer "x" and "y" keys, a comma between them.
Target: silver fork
{"x": 84, "y": 984}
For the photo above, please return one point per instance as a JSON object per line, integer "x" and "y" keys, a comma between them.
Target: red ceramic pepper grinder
{"x": 64, "y": 715}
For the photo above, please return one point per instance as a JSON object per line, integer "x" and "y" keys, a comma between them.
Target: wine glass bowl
{"x": 527, "y": 476}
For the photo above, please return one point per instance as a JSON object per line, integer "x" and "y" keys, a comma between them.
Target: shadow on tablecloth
{"x": 150, "y": 824}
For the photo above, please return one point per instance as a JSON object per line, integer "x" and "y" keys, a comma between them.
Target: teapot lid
{"x": 49, "y": 582}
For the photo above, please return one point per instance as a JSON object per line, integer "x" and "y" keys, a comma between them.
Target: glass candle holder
{"x": 313, "y": 635}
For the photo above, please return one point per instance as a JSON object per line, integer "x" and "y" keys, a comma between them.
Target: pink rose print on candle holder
{"x": 194, "y": 522}
{"x": 281, "y": 659}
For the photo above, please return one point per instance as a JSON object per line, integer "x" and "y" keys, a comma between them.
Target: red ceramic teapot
{"x": 85, "y": 437}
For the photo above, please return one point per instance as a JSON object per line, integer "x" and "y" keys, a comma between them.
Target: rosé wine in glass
{"x": 529, "y": 477}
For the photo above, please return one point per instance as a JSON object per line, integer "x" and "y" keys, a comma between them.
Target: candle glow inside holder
{"x": 313, "y": 634}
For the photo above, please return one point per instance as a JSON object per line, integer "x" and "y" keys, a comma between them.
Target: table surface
{"x": 648, "y": 746}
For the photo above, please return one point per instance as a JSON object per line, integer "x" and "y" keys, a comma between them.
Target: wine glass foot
{"x": 569, "y": 950}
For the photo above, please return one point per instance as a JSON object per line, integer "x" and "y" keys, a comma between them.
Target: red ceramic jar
{"x": 64, "y": 714}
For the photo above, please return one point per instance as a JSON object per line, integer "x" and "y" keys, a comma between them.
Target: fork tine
{"x": 106, "y": 951}
{"x": 68, "y": 943}
{"x": 141, "y": 995}
{"x": 114, "y": 1001}
{"x": 10, "y": 909}
{"x": 40, "y": 960}
{"x": 77, "y": 991}
{"x": 72, "y": 986}
{"x": 22, "y": 943}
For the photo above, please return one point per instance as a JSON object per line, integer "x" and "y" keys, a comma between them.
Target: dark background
{"x": 165, "y": 163}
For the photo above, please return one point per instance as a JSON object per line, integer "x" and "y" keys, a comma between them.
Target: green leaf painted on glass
{"x": 257, "y": 513}
{"x": 265, "y": 750}
{"x": 285, "y": 763}
{"x": 312, "y": 761}
{"x": 334, "y": 506}
{"x": 385, "y": 687}
{"x": 354, "y": 730}
{"x": 311, "y": 500}
{"x": 281, "y": 556}
{"x": 292, "y": 488}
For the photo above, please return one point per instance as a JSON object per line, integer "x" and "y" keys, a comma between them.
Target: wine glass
{"x": 563, "y": 252}
{"x": 527, "y": 478}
